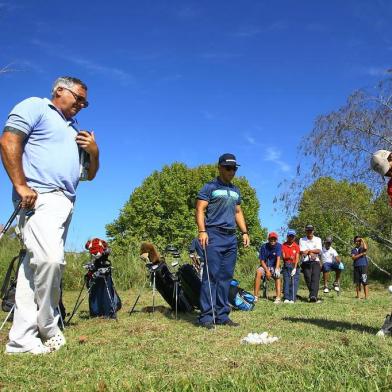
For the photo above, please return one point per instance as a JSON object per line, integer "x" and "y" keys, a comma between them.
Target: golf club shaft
{"x": 8, "y": 316}
{"x": 10, "y": 220}
{"x": 209, "y": 284}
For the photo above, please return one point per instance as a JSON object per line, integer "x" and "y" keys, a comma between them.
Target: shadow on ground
{"x": 333, "y": 324}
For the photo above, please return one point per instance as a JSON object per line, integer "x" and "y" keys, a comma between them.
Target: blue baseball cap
{"x": 228, "y": 160}
{"x": 291, "y": 232}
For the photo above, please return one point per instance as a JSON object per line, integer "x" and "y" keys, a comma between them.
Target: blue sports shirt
{"x": 51, "y": 156}
{"x": 222, "y": 201}
{"x": 362, "y": 261}
{"x": 269, "y": 253}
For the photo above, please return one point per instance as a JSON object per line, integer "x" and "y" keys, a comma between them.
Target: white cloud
{"x": 250, "y": 140}
{"x": 374, "y": 71}
{"x": 92, "y": 66}
{"x": 273, "y": 155}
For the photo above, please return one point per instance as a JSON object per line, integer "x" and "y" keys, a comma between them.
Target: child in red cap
{"x": 269, "y": 256}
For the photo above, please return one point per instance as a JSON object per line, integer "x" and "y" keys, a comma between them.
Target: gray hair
{"x": 67, "y": 82}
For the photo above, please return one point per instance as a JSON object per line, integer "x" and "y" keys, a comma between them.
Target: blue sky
{"x": 189, "y": 80}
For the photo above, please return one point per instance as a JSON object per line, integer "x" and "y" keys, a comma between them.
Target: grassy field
{"x": 323, "y": 347}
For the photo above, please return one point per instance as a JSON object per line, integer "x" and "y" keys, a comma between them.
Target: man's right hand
{"x": 203, "y": 239}
{"x": 268, "y": 274}
{"x": 28, "y": 196}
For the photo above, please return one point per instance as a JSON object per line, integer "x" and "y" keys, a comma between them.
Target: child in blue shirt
{"x": 270, "y": 255}
{"x": 358, "y": 254}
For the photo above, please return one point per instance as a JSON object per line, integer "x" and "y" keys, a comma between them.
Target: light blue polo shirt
{"x": 51, "y": 155}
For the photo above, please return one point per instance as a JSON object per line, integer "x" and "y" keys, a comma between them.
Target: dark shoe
{"x": 312, "y": 299}
{"x": 206, "y": 325}
{"x": 229, "y": 323}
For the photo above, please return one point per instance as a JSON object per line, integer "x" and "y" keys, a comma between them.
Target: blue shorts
{"x": 332, "y": 267}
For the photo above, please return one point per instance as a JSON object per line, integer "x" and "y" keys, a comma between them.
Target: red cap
{"x": 273, "y": 235}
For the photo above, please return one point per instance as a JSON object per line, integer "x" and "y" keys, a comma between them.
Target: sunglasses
{"x": 231, "y": 168}
{"x": 78, "y": 98}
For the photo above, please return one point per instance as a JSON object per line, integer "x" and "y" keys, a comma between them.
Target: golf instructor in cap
{"x": 41, "y": 147}
{"x": 381, "y": 162}
{"x": 218, "y": 213}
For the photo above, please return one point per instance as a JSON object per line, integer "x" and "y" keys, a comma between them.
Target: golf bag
{"x": 190, "y": 283}
{"x": 239, "y": 298}
{"x": 165, "y": 284}
{"x": 103, "y": 298}
{"x": 8, "y": 288}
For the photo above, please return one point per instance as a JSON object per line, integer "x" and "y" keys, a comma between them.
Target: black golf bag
{"x": 103, "y": 299}
{"x": 190, "y": 283}
{"x": 239, "y": 299}
{"x": 165, "y": 284}
{"x": 8, "y": 288}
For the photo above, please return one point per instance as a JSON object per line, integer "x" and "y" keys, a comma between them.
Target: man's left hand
{"x": 86, "y": 140}
{"x": 245, "y": 240}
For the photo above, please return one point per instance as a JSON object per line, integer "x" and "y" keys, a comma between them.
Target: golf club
{"x": 209, "y": 285}
{"x": 9, "y": 222}
{"x": 8, "y": 316}
{"x": 292, "y": 285}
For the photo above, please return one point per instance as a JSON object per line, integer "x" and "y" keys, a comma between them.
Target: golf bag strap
{"x": 7, "y": 278}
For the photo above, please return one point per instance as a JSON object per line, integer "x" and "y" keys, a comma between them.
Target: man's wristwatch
{"x": 244, "y": 232}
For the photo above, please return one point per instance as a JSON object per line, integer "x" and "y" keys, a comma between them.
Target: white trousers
{"x": 38, "y": 286}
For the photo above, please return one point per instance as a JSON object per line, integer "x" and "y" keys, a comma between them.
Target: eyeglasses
{"x": 231, "y": 168}
{"x": 78, "y": 98}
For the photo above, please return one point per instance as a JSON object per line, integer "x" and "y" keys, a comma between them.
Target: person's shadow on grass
{"x": 334, "y": 325}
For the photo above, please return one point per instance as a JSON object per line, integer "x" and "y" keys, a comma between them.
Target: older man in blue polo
{"x": 218, "y": 213}
{"x": 41, "y": 148}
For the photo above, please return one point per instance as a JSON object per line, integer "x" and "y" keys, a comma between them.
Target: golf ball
{"x": 390, "y": 289}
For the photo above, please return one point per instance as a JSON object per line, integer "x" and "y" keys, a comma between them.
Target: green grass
{"x": 322, "y": 347}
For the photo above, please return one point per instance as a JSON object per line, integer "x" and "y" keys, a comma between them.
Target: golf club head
{"x": 171, "y": 249}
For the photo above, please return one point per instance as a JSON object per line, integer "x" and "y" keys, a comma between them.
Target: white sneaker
{"x": 38, "y": 350}
{"x": 277, "y": 301}
{"x": 326, "y": 290}
{"x": 256, "y": 298}
{"x": 292, "y": 302}
{"x": 55, "y": 342}
{"x": 286, "y": 301}
{"x": 336, "y": 287}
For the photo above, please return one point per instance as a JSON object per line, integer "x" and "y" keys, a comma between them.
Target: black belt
{"x": 223, "y": 230}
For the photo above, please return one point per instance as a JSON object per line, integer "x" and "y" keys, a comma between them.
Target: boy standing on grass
{"x": 270, "y": 254}
{"x": 331, "y": 262}
{"x": 290, "y": 255}
{"x": 358, "y": 254}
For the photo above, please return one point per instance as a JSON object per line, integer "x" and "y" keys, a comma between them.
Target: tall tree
{"x": 161, "y": 210}
{"x": 342, "y": 141}
{"x": 326, "y": 204}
